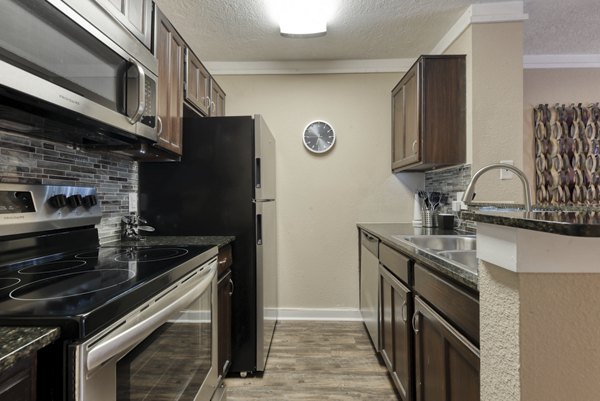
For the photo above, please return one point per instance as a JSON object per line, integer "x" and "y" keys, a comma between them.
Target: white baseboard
{"x": 342, "y": 314}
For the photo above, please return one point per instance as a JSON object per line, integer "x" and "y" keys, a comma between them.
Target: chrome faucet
{"x": 469, "y": 192}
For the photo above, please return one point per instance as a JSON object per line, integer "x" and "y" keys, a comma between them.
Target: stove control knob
{"x": 89, "y": 201}
{"x": 58, "y": 201}
{"x": 74, "y": 201}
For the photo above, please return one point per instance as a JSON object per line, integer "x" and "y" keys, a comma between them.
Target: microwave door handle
{"x": 141, "y": 93}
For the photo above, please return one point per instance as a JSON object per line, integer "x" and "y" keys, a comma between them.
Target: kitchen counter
{"x": 176, "y": 240}
{"x": 21, "y": 342}
{"x": 385, "y": 231}
{"x": 573, "y": 223}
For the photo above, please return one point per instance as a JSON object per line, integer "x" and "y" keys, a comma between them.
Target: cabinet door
{"x": 398, "y": 126}
{"x": 18, "y": 383}
{"x": 217, "y": 100}
{"x": 447, "y": 364}
{"x": 406, "y": 141}
{"x": 135, "y": 15}
{"x": 169, "y": 52}
{"x": 225, "y": 292}
{"x": 396, "y": 339}
{"x": 412, "y": 139}
{"x": 197, "y": 83}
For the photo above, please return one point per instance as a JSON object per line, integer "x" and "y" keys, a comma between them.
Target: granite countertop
{"x": 157, "y": 240}
{"x": 21, "y": 342}
{"x": 578, "y": 223}
{"x": 385, "y": 231}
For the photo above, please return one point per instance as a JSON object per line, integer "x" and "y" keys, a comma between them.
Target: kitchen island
{"x": 539, "y": 305}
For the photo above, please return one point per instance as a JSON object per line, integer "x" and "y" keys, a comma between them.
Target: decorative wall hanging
{"x": 567, "y": 147}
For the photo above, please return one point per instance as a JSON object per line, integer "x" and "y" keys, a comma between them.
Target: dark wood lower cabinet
{"x": 18, "y": 382}
{"x": 446, "y": 362}
{"x": 396, "y": 338}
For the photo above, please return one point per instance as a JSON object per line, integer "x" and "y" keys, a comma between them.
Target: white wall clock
{"x": 318, "y": 136}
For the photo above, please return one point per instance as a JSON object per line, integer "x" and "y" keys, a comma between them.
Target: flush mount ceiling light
{"x": 302, "y": 18}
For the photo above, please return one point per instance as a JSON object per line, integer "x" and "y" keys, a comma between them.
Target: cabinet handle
{"x": 369, "y": 237}
{"x": 404, "y": 311}
{"x": 231, "y": 286}
{"x": 159, "y": 125}
{"x": 213, "y": 106}
{"x": 414, "y": 146}
{"x": 415, "y": 322}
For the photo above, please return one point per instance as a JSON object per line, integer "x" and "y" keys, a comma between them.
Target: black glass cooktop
{"x": 86, "y": 290}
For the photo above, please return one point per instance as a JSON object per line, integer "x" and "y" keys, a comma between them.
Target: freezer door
{"x": 266, "y": 279}
{"x": 264, "y": 160}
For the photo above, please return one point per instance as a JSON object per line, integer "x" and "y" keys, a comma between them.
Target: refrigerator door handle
{"x": 259, "y": 229}
{"x": 257, "y": 171}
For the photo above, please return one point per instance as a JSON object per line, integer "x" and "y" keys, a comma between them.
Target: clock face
{"x": 318, "y": 137}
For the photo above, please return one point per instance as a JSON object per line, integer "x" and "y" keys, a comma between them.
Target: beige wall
{"x": 494, "y": 96}
{"x": 322, "y": 197}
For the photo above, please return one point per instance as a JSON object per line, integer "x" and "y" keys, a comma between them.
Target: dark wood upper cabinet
{"x": 197, "y": 83}
{"x": 429, "y": 114}
{"x": 170, "y": 54}
{"x": 446, "y": 363}
{"x": 217, "y": 98}
{"x": 134, "y": 15}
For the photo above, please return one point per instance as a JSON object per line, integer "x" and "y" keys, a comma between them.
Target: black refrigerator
{"x": 225, "y": 185}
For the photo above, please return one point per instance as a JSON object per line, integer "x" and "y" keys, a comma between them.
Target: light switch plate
{"x": 504, "y": 173}
{"x": 133, "y": 202}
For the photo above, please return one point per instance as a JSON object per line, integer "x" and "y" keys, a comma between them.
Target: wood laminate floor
{"x": 316, "y": 361}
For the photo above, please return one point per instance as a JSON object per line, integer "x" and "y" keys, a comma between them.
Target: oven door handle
{"x": 112, "y": 346}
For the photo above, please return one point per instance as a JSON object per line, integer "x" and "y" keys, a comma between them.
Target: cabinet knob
{"x": 414, "y": 146}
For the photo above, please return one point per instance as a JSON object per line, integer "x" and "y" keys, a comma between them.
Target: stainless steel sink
{"x": 439, "y": 243}
{"x": 467, "y": 259}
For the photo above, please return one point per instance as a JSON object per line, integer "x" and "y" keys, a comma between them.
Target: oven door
{"x": 52, "y": 53}
{"x": 164, "y": 350}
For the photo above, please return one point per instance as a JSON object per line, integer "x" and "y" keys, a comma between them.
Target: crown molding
{"x": 550, "y": 61}
{"x": 484, "y": 13}
{"x": 308, "y": 67}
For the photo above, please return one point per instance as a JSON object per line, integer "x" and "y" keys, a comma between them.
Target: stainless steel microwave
{"x": 74, "y": 59}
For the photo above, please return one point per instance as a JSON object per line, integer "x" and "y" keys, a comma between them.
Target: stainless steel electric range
{"x": 136, "y": 322}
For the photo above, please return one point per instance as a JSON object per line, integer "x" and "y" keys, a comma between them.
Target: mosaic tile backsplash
{"x": 34, "y": 161}
{"x": 449, "y": 180}
{"x": 567, "y": 160}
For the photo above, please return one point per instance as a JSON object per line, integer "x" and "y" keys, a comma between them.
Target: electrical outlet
{"x": 133, "y": 202}
{"x": 504, "y": 173}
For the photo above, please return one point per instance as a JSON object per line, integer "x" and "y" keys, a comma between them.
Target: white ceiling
{"x": 243, "y": 30}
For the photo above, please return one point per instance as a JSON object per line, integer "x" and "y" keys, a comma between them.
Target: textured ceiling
{"x": 244, "y": 30}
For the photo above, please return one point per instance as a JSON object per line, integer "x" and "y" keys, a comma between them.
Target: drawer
{"x": 225, "y": 258}
{"x": 395, "y": 262}
{"x": 458, "y": 306}
{"x": 370, "y": 242}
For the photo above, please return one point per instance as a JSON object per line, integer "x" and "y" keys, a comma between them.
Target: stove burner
{"x": 150, "y": 254}
{"x": 8, "y": 282}
{"x": 53, "y": 267}
{"x": 72, "y": 284}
